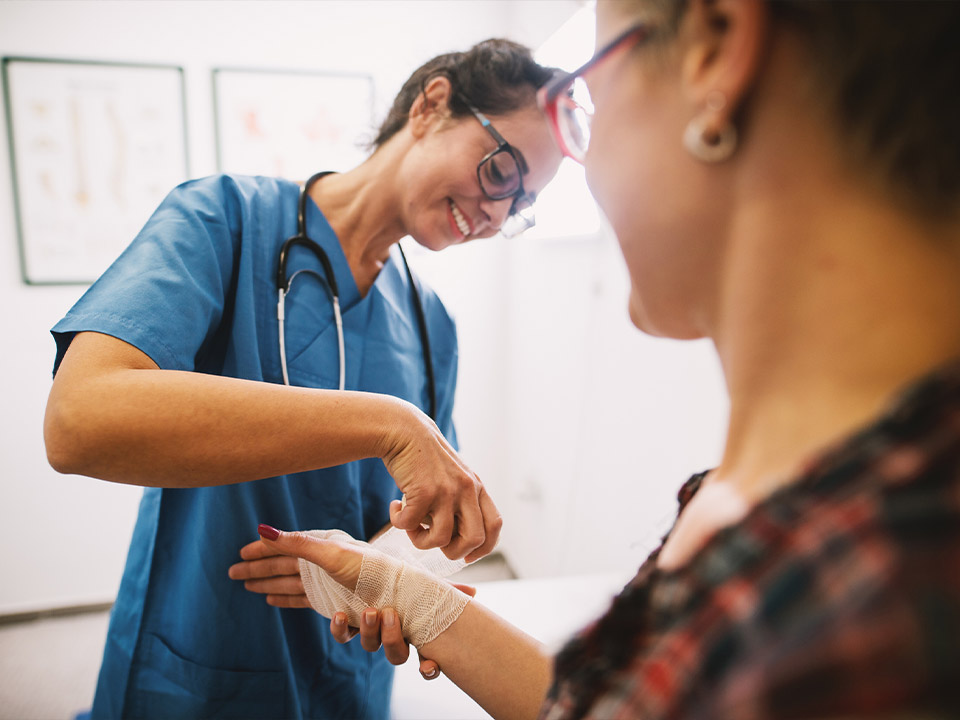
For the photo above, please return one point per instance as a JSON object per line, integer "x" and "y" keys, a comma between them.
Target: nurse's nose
{"x": 496, "y": 211}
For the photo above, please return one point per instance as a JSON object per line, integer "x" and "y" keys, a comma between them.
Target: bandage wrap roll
{"x": 425, "y": 604}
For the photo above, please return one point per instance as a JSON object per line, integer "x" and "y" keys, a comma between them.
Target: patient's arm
{"x": 502, "y": 668}
{"x": 505, "y": 670}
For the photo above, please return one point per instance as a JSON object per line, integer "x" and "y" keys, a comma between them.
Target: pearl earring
{"x": 710, "y": 144}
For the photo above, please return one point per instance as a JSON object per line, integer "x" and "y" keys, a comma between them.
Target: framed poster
{"x": 290, "y": 124}
{"x": 94, "y": 148}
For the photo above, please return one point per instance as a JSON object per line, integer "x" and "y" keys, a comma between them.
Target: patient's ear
{"x": 727, "y": 44}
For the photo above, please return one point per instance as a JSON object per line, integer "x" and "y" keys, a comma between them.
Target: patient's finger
{"x": 340, "y": 630}
{"x": 278, "y": 565}
{"x": 256, "y": 550}
{"x": 293, "y": 602}
{"x": 370, "y": 630}
{"x": 395, "y": 647}
{"x": 429, "y": 668}
{"x": 288, "y": 601}
{"x": 289, "y": 585}
{"x": 466, "y": 589}
{"x": 341, "y": 561}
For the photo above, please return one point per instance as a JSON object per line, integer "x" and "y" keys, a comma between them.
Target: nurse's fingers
{"x": 470, "y": 533}
{"x": 395, "y": 647}
{"x": 440, "y": 529}
{"x": 427, "y": 516}
{"x": 278, "y": 565}
{"x": 492, "y": 524}
{"x": 370, "y": 630}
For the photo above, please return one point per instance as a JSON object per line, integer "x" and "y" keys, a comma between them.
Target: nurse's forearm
{"x": 502, "y": 668}
{"x": 144, "y": 426}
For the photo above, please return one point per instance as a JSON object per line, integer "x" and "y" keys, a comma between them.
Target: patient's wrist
{"x": 426, "y": 604}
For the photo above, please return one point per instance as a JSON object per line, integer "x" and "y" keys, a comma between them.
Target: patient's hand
{"x": 277, "y": 576}
{"x": 264, "y": 570}
{"x": 269, "y": 573}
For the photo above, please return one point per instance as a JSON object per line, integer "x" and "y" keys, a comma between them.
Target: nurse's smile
{"x": 459, "y": 221}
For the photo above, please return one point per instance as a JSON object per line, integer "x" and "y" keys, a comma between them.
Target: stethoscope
{"x": 329, "y": 281}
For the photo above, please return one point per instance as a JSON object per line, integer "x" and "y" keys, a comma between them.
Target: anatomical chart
{"x": 291, "y": 124}
{"x": 95, "y": 148}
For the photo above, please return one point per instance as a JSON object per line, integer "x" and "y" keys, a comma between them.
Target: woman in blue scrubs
{"x": 168, "y": 375}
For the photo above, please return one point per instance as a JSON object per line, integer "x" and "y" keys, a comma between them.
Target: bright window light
{"x": 566, "y": 208}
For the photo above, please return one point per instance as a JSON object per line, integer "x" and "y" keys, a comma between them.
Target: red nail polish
{"x": 270, "y": 533}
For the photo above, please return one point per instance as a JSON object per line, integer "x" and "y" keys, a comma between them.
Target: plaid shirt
{"x": 838, "y": 596}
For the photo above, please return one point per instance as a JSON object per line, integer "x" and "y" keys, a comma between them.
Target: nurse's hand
{"x": 446, "y": 505}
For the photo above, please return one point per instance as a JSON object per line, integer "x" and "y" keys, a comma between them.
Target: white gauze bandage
{"x": 394, "y": 574}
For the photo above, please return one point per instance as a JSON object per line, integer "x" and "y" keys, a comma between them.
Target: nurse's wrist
{"x": 402, "y": 423}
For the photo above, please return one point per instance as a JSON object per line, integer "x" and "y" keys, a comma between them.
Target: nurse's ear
{"x": 431, "y": 107}
{"x": 724, "y": 50}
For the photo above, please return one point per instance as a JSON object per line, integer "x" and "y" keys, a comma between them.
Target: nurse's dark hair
{"x": 497, "y": 76}
{"x": 887, "y": 72}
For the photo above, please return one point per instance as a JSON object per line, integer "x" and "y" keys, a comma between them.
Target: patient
{"x": 784, "y": 179}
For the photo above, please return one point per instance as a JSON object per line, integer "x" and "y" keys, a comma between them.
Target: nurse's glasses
{"x": 566, "y": 100}
{"x": 500, "y": 175}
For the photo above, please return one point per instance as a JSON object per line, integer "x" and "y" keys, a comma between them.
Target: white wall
{"x": 581, "y": 427}
{"x": 65, "y": 538}
{"x": 605, "y": 423}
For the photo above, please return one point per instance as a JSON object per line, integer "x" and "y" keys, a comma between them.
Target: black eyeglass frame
{"x": 520, "y": 194}
{"x": 550, "y": 93}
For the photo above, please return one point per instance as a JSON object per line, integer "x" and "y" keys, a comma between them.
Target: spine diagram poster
{"x": 94, "y": 148}
{"x": 290, "y": 124}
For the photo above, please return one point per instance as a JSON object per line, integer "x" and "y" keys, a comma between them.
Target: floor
{"x": 48, "y": 666}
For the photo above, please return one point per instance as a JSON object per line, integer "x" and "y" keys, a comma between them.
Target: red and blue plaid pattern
{"x": 838, "y": 596}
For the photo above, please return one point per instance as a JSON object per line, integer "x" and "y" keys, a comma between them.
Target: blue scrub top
{"x": 196, "y": 291}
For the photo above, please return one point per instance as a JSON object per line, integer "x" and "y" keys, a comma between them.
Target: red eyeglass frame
{"x": 550, "y": 95}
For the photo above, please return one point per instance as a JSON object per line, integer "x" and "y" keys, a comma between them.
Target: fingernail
{"x": 389, "y": 617}
{"x": 270, "y": 533}
{"x": 431, "y": 674}
{"x": 339, "y": 619}
{"x": 370, "y": 618}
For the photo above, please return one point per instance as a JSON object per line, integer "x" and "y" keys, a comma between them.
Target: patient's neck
{"x": 829, "y": 310}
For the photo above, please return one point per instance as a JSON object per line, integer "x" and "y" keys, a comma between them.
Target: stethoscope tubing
{"x": 329, "y": 281}
{"x": 337, "y": 318}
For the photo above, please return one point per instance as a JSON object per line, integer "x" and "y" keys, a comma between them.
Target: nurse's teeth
{"x": 462, "y": 224}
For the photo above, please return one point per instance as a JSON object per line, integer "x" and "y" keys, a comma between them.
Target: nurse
{"x": 169, "y": 375}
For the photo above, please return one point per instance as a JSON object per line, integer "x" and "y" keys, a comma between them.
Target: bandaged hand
{"x": 341, "y": 574}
